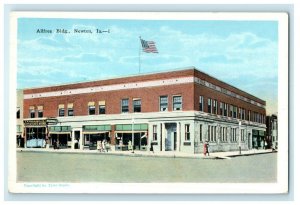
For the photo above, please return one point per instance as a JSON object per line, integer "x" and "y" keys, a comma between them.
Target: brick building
{"x": 172, "y": 111}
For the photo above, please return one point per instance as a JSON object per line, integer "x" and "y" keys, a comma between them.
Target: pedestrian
{"x": 208, "y": 149}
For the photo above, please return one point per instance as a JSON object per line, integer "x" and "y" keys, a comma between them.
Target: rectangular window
{"x": 70, "y": 109}
{"x": 163, "y": 102}
{"x": 61, "y": 110}
{"x": 234, "y": 111}
{"x": 201, "y": 100}
{"x": 154, "y": 132}
{"x": 137, "y": 105}
{"x": 124, "y": 105}
{"x": 208, "y": 132}
{"x": 200, "y": 132}
{"x": 101, "y": 105}
{"x": 209, "y": 105}
{"x": 40, "y": 113}
{"x": 215, "y": 133}
{"x": 177, "y": 103}
{"x": 92, "y": 109}
{"x": 32, "y": 113}
{"x": 231, "y": 111}
{"x": 239, "y": 114}
{"x": 221, "y": 108}
{"x": 215, "y": 107}
{"x": 187, "y": 132}
{"x": 225, "y": 109}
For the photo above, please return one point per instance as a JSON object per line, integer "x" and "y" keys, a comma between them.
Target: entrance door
{"x": 175, "y": 140}
{"x": 77, "y": 140}
{"x": 170, "y": 144}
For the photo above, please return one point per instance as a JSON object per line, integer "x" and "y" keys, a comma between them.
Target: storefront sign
{"x": 29, "y": 123}
{"x": 51, "y": 121}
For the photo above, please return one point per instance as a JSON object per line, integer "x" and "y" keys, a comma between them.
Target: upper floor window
{"x": 215, "y": 107}
{"x": 137, "y": 104}
{"x": 221, "y": 108}
{"x": 187, "y": 132}
{"x": 61, "y": 110}
{"x": 249, "y": 115}
{"x": 70, "y": 109}
{"x": 231, "y": 111}
{"x": 92, "y": 108}
{"x": 209, "y": 105}
{"x": 163, "y": 103}
{"x": 177, "y": 103}
{"x": 225, "y": 109}
{"x": 201, "y": 101}
{"x": 32, "y": 112}
{"x": 124, "y": 106}
{"x": 234, "y": 111}
{"x": 40, "y": 111}
{"x": 101, "y": 107}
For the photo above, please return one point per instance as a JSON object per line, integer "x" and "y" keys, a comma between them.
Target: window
{"x": 221, "y": 108}
{"x": 137, "y": 105}
{"x": 201, "y": 100}
{"x": 18, "y": 113}
{"x": 101, "y": 105}
{"x": 231, "y": 111}
{"x": 124, "y": 105}
{"x": 225, "y": 109}
{"x": 209, "y": 105}
{"x": 242, "y": 135}
{"x": 187, "y": 132}
{"x": 215, "y": 107}
{"x": 61, "y": 110}
{"x": 70, "y": 109}
{"x": 154, "y": 132}
{"x": 239, "y": 115}
{"x": 177, "y": 103}
{"x": 249, "y": 115}
{"x": 92, "y": 108}
{"x": 200, "y": 132}
{"x": 212, "y": 137}
{"x": 31, "y": 112}
{"x": 40, "y": 111}
{"x": 233, "y": 135}
{"x": 163, "y": 101}
{"x": 234, "y": 111}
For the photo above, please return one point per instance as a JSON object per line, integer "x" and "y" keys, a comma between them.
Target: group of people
{"x": 102, "y": 146}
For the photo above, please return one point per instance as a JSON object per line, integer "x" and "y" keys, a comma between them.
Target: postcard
{"x": 148, "y": 102}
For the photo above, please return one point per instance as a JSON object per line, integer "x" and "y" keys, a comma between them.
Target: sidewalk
{"x": 137, "y": 153}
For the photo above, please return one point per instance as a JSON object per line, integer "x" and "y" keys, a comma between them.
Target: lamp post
{"x": 132, "y": 135}
{"x": 240, "y": 150}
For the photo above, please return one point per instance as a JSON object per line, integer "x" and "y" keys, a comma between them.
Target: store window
{"x": 124, "y": 106}
{"x": 61, "y": 110}
{"x": 201, "y": 102}
{"x": 70, "y": 109}
{"x": 154, "y": 132}
{"x": 187, "y": 132}
{"x": 137, "y": 105}
{"x": 163, "y": 102}
{"x": 177, "y": 103}
{"x": 101, "y": 107}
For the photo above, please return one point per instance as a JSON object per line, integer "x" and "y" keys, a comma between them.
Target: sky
{"x": 241, "y": 53}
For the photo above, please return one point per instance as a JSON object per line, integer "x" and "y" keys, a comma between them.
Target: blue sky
{"x": 241, "y": 53}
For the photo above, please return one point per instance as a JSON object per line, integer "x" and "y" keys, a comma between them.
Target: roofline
{"x": 148, "y": 73}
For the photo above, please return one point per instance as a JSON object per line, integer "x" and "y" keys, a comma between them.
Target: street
{"x": 70, "y": 167}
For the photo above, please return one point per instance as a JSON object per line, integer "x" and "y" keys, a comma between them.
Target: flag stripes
{"x": 149, "y": 46}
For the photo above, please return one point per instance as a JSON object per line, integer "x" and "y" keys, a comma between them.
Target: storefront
{"x": 35, "y": 133}
{"x": 94, "y": 133}
{"x": 61, "y": 136}
{"x": 258, "y": 139}
{"x": 124, "y": 134}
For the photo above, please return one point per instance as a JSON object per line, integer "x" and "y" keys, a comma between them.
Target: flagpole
{"x": 140, "y": 56}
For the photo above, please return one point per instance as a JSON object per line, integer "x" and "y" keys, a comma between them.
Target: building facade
{"x": 272, "y": 131}
{"x": 169, "y": 111}
{"x": 19, "y": 119}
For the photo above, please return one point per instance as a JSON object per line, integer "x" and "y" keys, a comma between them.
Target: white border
{"x": 280, "y": 187}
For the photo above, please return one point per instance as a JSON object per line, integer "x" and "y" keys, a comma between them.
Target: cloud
{"x": 87, "y": 58}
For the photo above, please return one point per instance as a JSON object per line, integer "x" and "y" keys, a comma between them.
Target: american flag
{"x": 149, "y": 46}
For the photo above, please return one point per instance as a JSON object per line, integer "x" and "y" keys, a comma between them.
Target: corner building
{"x": 169, "y": 111}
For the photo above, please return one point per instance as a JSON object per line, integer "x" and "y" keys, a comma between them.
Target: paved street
{"x": 80, "y": 167}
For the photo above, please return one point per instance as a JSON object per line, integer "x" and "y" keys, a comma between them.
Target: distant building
{"x": 19, "y": 117}
{"x": 169, "y": 111}
{"x": 272, "y": 131}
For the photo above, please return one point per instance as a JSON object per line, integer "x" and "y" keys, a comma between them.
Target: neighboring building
{"x": 272, "y": 131}
{"x": 174, "y": 111}
{"x": 19, "y": 116}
